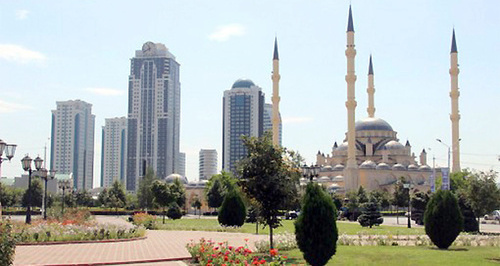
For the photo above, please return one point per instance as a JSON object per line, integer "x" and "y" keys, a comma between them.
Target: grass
{"x": 287, "y": 226}
{"x": 386, "y": 255}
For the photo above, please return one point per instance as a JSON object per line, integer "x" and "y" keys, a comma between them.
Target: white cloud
{"x": 105, "y": 91}
{"x": 22, "y": 14}
{"x": 223, "y": 33}
{"x": 6, "y": 107}
{"x": 19, "y": 54}
{"x": 297, "y": 120}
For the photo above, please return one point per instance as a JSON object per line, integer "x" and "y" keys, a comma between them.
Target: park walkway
{"x": 158, "y": 246}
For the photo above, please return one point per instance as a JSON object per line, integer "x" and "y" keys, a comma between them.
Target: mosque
{"x": 371, "y": 155}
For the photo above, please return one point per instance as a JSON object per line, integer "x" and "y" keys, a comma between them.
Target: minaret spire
{"x": 351, "y": 170}
{"x": 276, "y": 97}
{"x": 455, "y": 114}
{"x": 371, "y": 91}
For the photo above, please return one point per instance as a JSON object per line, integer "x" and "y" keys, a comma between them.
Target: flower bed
{"x": 207, "y": 252}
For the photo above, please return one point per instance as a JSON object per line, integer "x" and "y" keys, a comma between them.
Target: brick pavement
{"x": 158, "y": 245}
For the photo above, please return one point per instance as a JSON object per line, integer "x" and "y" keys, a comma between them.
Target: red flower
{"x": 273, "y": 252}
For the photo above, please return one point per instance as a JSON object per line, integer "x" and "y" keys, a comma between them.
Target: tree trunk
{"x": 271, "y": 237}
{"x": 163, "y": 214}
{"x": 479, "y": 224}
{"x": 256, "y": 227}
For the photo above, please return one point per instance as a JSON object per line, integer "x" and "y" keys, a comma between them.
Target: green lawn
{"x": 287, "y": 225}
{"x": 387, "y": 255}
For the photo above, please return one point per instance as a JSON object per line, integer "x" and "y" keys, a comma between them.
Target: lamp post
{"x": 63, "y": 184}
{"x": 446, "y": 185}
{"x": 10, "y": 150}
{"x": 408, "y": 186}
{"x": 26, "y": 162}
{"x": 46, "y": 175}
{"x": 448, "y": 146}
{"x": 310, "y": 171}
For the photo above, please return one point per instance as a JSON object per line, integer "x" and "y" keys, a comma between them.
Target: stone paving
{"x": 159, "y": 245}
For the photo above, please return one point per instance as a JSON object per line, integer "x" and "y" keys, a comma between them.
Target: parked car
{"x": 495, "y": 215}
{"x": 291, "y": 215}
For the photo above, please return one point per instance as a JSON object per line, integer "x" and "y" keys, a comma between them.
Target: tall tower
{"x": 268, "y": 121}
{"x": 208, "y": 164}
{"x": 276, "y": 97}
{"x": 351, "y": 175}
{"x": 371, "y": 91}
{"x": 72, "y": 142}
{"x": 114, "y": 151}
{"x": 455, "y": 115}
{"x": 153, "y": 114}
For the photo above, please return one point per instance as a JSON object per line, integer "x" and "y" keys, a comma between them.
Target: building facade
{"x": 114, "y": 151}
{"x": 72, "y": 142}
{"x": 243, "y": 114}
{"x": 181, "y": 164}
{"x": 153, "y": 113}
{"x": 268, "y": 121}
{"x": 208, "y": 164}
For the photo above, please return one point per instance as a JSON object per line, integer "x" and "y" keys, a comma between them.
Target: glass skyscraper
{"x": 243, "y": 114}
{"x": 153, "y": 114}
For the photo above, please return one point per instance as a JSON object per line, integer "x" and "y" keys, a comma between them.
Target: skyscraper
{"x": 243, "y": 114}
{"x": 208, "y": 164}
{"x": 268, "y": 121}
{"x": 114, "y": 151}
{"x": 153, "y": 113}
{"x": 72, "y": 142}
{"x": 181, "y": 164}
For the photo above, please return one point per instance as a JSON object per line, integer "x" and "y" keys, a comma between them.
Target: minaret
{"x": 371, "y": 91}
{"x": 455, "y": 115}
{"x": 276, "y": 98}
{"x": 351, "y": 180}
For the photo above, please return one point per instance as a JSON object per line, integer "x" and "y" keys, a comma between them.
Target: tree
{"x": 352, "y": 205}
{"x": 470, "y": 222}
{"x": 232, "y": 212}
{"x": 162, "y": 195}
{"x": 316, "y": 228}
{"x": 102, "y": 199}
{"x": 116, "y": 194}
{"x": 36, "y": 194}
{"x": 370, "y": 215}
{"x": 458, "y": 180}
{"x": 215, "y": 193}
{"x": 144, "y": 193}
{"x": 267, "y": 177}
{"x": 174, "y": 212}
{"x": 196, "y": 205}
{"x": 381, "y": 197}
{"x": 362, "y": 197}
{"x": 400, "y": 196}
{"x": 443, "y": 219}
{"x": 83, "y": 198}
{"x": 482, "y": 193}
{"x": 418, "y": 204}
{"x": 178, "y": 193}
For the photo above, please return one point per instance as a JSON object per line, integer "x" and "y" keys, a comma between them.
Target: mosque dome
{"x": 342, "y": 147}
{"x": 372, "y": 123}
{"x": 398, "y": 167}
{"x": 412, "y": 167}
{"x": 338, "y": 167}
{"x": 368, "y": 164}
{"x": 424, "y": 168}
{"x": 324, "y": 179}
{"x": 394, "y": 145}
{"x": 243, "y": 83}
{"x": 383, "y": 166}
{"x": 338, "y": 178}
{"x": 172, "y": 177}
{"x": 303, "y": 180}
{"x": 326, "y": 168}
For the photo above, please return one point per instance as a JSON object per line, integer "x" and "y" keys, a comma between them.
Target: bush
{"x": 470, "y": 223}
{"x": 371, "y": 215}
{"x": 7, "y": 243}
{"x": 232, "y": 212}
{"x": 174, "y": 212}
{"x": 443, "y": 219}
{"x": 142, "y": 218}
{"x": 316, "y": 228}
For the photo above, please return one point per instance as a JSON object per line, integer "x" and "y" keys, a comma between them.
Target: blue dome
{"x": 243, "y": 83}
{"x": 372, "y": 123}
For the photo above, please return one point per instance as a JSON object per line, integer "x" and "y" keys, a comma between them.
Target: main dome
{"x": 372, "y": 123}
{"x": 243, "y": 83}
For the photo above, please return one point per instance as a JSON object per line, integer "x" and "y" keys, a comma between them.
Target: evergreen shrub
{"x": 370, "y": 215}
{"x": 232, "y": 212}
{"x": 443, "y": 219}
{"x": 174, "y": 212}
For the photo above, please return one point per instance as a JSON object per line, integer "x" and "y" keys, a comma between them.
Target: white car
{"x": 495, "y": 215}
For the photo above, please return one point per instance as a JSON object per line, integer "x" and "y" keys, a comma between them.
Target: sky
{"x": 65, "y": 50}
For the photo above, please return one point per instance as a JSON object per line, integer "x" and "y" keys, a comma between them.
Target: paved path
{"x": 158, "y": 245}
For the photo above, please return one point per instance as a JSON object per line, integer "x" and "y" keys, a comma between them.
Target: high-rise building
{"x": 208, "y": 164}
{"x": 268, "y": 121}
{"x": 114, "y": 151}
{"x": 181, "y": 164}
{"x": 72, "y": 142}
{"x": 243, "y": 114}
{"x": 153, "y": 113}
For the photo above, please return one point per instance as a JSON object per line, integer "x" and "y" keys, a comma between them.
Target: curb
{"x": 81, "y": 242}
{"x": 123, "y": 262}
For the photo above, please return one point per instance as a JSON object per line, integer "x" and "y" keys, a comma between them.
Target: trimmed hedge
{"x": 443, "y": 219}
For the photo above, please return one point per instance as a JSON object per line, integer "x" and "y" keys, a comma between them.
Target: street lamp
{"x": 64, "y": 184}
{"x": 448, "y": 146}
{"x": 310, "y": 171}
{"x": 10, "y": 150}
{"x": 46, "y": 175}
{"x": 408, "y": 186}
{"x": 446, "y": 185}
{"x": 26, "y": 162}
